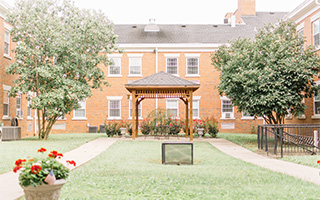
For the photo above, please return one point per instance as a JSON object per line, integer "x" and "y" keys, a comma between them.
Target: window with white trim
{"x": 227, "y": 108}
{"x": 317, "y": 104}
{"x": 315, "y": 32}
{"x": 18, "y": 106}
{"x": 115, "y": 67}
{"x": 80, "y": 113}
{"x": 6, "y": 103}
{"x": 135, "y": 66}
{"x": 195, "y": 109}
{"x": 114, "y": 108}
{"x": 192, "y": 66}
{"x": 7, "y": 42}
{"x": 172, "y": 66}
{"x": 29, "y": 110}
{"x": 246, "y": 115}
{"x": 139, "y": 109}
{"x": 172, "y": 107}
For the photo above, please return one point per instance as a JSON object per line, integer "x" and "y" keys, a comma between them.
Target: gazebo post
{"x": 187, "y": 117}
{"x": 137, "y": 116}
{"x": 191, "y": 115}
{"x": 133, "y": 103}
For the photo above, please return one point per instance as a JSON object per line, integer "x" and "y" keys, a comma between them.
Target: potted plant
{"x": 42, "y": 178}
{"x": 200, "y": 126}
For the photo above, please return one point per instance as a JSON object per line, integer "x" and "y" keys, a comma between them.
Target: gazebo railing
{"x": 289, "y": 139}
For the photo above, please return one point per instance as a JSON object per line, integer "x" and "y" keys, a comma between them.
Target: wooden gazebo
{"x": 161, "y": 85}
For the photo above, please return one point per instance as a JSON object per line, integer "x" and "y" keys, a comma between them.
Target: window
{"x": 18, "y": 106}
{"x": 172, "y": 66}
{"x": 114, "y": 108}
{"x": 317, "y": 104}
{"x": 5, "y": 103}
{"x": 172, "y": 108}
{"x": 315, "y": 32}
{"x": 135, "y": 64}
{"x": 80, "y": 113}
{"x": 115, "y": 68}
{"x": 28, "y": 110}
{"x": 227, "y": 108}
{"x": 139, "y": 109}
{"x": 7, "y": 42}
{"x": 192, "y": 66}
{"x": 246, "y": 115}
{"x": 195, "y": 109}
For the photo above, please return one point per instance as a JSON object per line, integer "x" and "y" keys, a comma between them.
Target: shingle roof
{"x": 175, "y": 33}
{"x": 162, "y": 79}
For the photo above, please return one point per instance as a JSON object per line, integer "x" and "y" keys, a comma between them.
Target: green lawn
{"x": 10, "y": 151}
{"x": 133, "y": 170}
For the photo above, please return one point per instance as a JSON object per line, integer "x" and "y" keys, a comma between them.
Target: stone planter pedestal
{"x": 44, "y": 192}
{"x": 123, "y": 132}
{"x": 200, "y": 132}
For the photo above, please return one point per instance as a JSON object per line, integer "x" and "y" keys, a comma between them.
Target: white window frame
{"x": 135, "y": 56}
{"x": 114, "y": 98}
{"x": 315, "y": 116}
{"x": 19, "y": 109}
{"x": 196, "y": 56}
{"x": 173, "y": 99}
{"x": 7, "y": 88}
{"x": 130, "y": 109}
{"x": 83, "y": 105}
{"x": 196, "y": 98}
{"x": 224, "y": 98}
{"x": 246, "y": 116}
{"x": 29, "y": 109}
{"x": 315, "y": 33}
{"x": 115, "y": 56}
{"x": 172, "y": 56}
{"x": 7, "y": 28}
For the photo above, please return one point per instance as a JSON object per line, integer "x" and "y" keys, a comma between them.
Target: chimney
{"x": 247, "y": 7}
{"x": 152, "y": 26}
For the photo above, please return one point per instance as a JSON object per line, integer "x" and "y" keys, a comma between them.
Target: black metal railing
{"x": 289, "y": 139}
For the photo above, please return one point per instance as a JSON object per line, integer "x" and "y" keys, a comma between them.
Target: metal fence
{"x": 289, "y": 139}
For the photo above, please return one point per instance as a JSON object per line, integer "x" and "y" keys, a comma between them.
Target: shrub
{"x": 174, "y": 125}
{"x": 112, "y": 128}
{"x": 145, "y": 127}
{"x": 211, "y": 126}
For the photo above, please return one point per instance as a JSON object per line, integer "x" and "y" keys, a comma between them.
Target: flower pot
{"x": 123, "y": 132}
{"x": 43, "y": 191}
{"x": 200, "y": 132}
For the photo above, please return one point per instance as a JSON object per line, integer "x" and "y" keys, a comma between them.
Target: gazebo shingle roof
{"x": 162, "y": 79}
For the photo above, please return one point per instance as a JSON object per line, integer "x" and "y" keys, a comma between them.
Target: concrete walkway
{"x": 299, "y": 171}
{"x": 9, "y": 183}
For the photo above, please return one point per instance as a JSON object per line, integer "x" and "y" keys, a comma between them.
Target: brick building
{"x": 180, "y": 49}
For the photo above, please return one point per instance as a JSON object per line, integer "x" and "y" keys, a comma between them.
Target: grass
{"x": 133, "y": 170}
{"x": 10, "y": 151}
{"x": 248, "y": 141}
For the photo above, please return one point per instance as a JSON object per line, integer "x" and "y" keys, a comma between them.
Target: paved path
{"x": 299, "y": 171}
{"x": 9, "y": 183}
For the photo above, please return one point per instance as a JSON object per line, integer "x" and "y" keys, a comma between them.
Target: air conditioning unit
{"x": 227, "y": 115}
{"x": 93, "y": 129}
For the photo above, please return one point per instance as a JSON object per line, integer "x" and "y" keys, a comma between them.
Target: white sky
{"x": 176, "y": 11}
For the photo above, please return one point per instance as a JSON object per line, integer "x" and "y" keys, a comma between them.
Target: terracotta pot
{"x": 44, "y": 192}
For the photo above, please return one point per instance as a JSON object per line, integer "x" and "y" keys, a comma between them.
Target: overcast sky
{"x": 176, "y": 11}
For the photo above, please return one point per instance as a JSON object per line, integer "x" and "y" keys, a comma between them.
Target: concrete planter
{"x": 123, "y": 132}
{"x": 44, "y": 192}
{"x": 200, "y": 132}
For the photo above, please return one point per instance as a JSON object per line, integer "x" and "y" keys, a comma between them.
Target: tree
{"x": 58, "y": 51}
{"x": 268, "y": 76}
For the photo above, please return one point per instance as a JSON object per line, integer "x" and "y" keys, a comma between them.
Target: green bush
{"x": 145, "y": 127}
{"x": 211, "y": 126}
{"x": 112, "y": 128}
{"x": 174, "y": 125}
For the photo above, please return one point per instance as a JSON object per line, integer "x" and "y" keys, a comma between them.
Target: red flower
{"x": 60, "y": 154}
{"x": 42, "y": 150}
{"x": 53, "y": 154}
{"x": 16, "y": 168}
{"x": 71, "y": 162}
{"x": 35, "y": 169}
{"x": 20, "y": 161}
{"x": 318, "y": 161}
